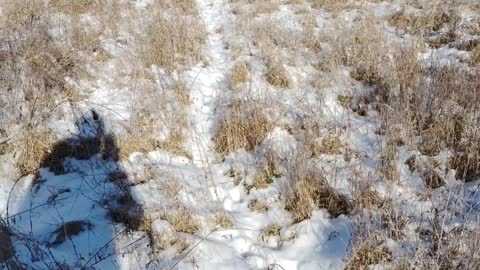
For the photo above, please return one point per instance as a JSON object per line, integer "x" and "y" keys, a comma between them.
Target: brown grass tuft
{"x": 429, "y": 20}
{"x": 74, "y": 7}
{"x": 239, "y": 74}
{"x": 182, "y": 220}
{"x": 330, "y": 5}
{"x": 69, "y": 229}
{"x": 223, "y": 221}
{"x": 257, "y": 206}
{"x": 388, "y": 166}
{"x": 172, "y": 47}
{"x": 307, "y": 190}
{"x": 35, "y": 148}
{"x": 329, "y": 146}
{"x": 236, "y": 175}
{"x": 368, "y": 252}
{"x": 368, "y": 199}
{"x": 7, "y": 250}
{"x": 277, "y": 75}
{"x": 262, "y": 180}
{"x": 272, "y": 230}
{"x": 243, "y": 126}
{"x": 475, "y": 58}
{"x": 264, "y": 176}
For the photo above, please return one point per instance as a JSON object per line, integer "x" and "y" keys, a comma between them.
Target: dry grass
{"x": 264, "y": 176}
{"x": 169, "y": 46}
{"x": 35, "y": 149}
{"x": 329, "y": 146}
{"x": 475, "y": 58}
{"x": 185, "y": 7}
{"x": 69, "y": 229}
{"x": 171, "y": 188}
{"x": 34, "y": 56}
{"x": 127, "y": 211}
{"x": 182, "y": 93}
{"x": 307, "y": 190}
{"x": 330, "y": 5}
{"x": 236, "y": 175}
{"x": 182, "y": 220}
{"x": 410, "y": 98}
{"x": 277, "y": 75}
{"x": 239, "y": 74}
{"x": 368, "y": 199}
{"x": 34, "y": 68}
{"x": 142, "y": 134}
{"x": 268, "y": 38}
{"x": 253, "y": 8}
{"x": 132, "y": 143}
{"x": 345, "y": 101}
{"x": 388, "y": 167}
{"x": 430, "y": 19}
{"x": 272, "y": 230}
{"x": 261, "y": 180}
{"x": 242, "y": 126}
{"x": 257, "y": 206}
{"x": 75, "y": 7}
{"x": 370, "y": 251}
{"x": 223, "y": 221}
{"x": 7, "y": 250}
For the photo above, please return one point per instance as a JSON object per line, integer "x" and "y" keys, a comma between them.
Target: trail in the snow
{"x": 207, "y": 84}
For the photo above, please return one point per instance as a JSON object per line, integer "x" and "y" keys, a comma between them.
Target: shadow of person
{"x": 77, "y": 206}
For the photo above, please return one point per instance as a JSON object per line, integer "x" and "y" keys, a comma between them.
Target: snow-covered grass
{"x": 246, "y": 134}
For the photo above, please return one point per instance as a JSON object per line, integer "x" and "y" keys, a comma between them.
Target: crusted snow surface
{"x": 207, "y": 82}
{"x": 40, "y": 206}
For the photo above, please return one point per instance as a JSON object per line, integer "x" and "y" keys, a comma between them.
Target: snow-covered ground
{"x": 102, "y": 211}
{"x": 207, "y": 83}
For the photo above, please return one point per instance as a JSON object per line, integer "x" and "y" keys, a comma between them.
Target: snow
{"x": 84, "y": 193}
{"x": 206, "y": 84}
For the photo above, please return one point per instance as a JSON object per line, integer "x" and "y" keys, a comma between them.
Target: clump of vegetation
{"x": 257, "y": 206}
{"x": 35, "y": 150}
{"x": 277, "y": 75}
{"x": 330, "y": 146}
{"x": 264, "y": 176}
{"x": 76, "y": 7}
{"x": 330, "y": 5}
{"x": 177, "y": 47}
{"x": 388, "y": 167}
{"x": 182, "y": 220}
{"x": 368, "y": 198}
{"x": 308, "y": 190}
{"x": 184, "y": 7}
{"x": 242, "y": 126}
{"x": 475, "y": 58}
{"x": 67, "y": 230}
{"x": 236, "y": 175}
{"x": 239, "y": 74}
{"x": 345, "y": 101}
{"x": 7, "y": 250}
{"x": 126, "y": 210}
{"x": 427, "y": 21}
{"x": 368, "y": 252}
{"x": 261, "y": 180}
{"x": 272, "y": 230}
{"x": 224, "y": 221}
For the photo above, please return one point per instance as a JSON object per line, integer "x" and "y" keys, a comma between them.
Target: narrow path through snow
{"x": 208, "y": 82}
